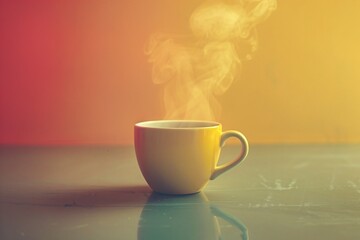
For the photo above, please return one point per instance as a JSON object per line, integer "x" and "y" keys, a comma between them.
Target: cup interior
{"x": 177, "y": 124}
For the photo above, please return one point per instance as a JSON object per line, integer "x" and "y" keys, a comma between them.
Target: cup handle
{"x": 233, "y": 221}
{"x": 244, "y": 151}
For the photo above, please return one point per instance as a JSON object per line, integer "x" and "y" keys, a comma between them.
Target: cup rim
{"x": 149, "y": 124}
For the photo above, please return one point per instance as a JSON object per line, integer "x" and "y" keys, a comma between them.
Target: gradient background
{"x": 74, "y": 72}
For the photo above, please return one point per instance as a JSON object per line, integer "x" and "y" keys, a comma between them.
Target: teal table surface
{"x": 98, "y": 192}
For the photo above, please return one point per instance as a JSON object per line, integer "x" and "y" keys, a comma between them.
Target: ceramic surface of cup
{"x": 180, "y": 157}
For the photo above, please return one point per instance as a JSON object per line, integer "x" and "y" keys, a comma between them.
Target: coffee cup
{"x": 181, "y": 156}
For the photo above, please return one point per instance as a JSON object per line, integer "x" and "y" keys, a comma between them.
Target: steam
{"x": 195, "y": 69}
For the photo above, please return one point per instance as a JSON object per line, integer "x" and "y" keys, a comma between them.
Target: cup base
{"x": 174, "y": 193}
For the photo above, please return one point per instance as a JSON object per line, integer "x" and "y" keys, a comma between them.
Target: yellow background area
{"x": 75, "y": 72}
{"x": 303, "y": 85}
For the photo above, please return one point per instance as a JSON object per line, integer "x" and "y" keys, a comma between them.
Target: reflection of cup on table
{"x": 179, "y": 156}
{"x": 183, "y": 217}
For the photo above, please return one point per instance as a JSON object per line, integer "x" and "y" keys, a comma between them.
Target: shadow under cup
{"x": 180, "y": 157}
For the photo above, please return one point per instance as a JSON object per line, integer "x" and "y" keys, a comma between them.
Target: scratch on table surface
{"x": 354, "y": 186}
{"x": 78, "y": 226}
{"x": 301, "y": 165}
{"x": 272, "y": 205}
{"x": 332, "y": 181}
{"x": 269, "y": 198}
{"x": 353, "y": 165}
{"x": 278, "y": 184}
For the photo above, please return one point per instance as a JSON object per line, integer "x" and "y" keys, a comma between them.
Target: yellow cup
{"x": 181, "y": 156}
